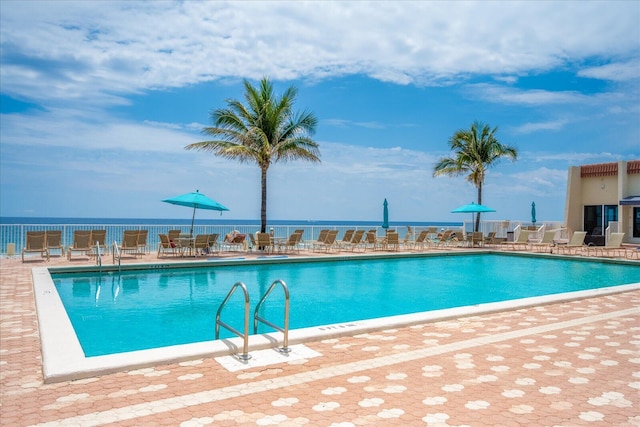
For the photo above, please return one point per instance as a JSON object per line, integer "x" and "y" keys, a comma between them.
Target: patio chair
{"x": 54, "y": 241}
{"x": 214, "y": 246}
{"x": 264, "y": 242}
{"x": 521, "y": 242}
{"x": 490, "y": 239}
{"x": 346, "y": 239}
{"x": 201, "y": 244}
{"x": 329, "y": 242}
{"x": 235, "y": 240}
{"x": 166, "y": 246}
{"x": 445, "y": 238}
{"x": 142, "y": 241}
{"x": 36, "y": 243}
{"x": 129, "y": 244}
{"x": 291, "y": 243}
{"x": 614, "y": 245}
{"x": 322, "y": 236}
{"x": 546, "y": 242}
{"x": 422, "y": 240}
{"x": 356, "y": 241}
{"x": 477, "y": 238}
{"x": 98, "y": 239}
{"x": 173, "y": 235}
{"x": 81, "y": 243}
{"x": 392, "y": 241}
{"x": 576, "y": 243}
{"x": 371, "y": 241}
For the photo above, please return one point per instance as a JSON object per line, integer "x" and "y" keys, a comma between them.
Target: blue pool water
{"x": 115, "y": 313}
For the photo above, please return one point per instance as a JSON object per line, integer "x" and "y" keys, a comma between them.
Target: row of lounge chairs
{"x": 85, "y": 242}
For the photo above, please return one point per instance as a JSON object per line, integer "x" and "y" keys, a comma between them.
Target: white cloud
{"x": 532, "y": 97}
{"x": 95, "y": 51}
{"x": 540, "y": 126}
{"x": 619, "y": 71}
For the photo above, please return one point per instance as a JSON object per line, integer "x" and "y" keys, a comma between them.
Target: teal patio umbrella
{"x": 533, "y": 213}
{"x": 385, "y": 214}
{"x": 473, "y": 208}
{"x": 196, "y": 200}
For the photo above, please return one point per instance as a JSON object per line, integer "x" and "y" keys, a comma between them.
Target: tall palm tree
{"x": 475, "y": 150}
{"x": 265, "y": 130}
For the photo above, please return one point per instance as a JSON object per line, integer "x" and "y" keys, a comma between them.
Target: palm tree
{"x": 264, "y": 131}
{"x": 476, "y": 150}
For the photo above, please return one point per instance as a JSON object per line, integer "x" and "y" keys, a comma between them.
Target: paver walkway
{"x": 565, "y": 364}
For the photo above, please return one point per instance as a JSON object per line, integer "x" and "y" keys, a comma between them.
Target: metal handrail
{"x": 245, "y": 336}
{"x": 285, "y": 330}
{"x": 116, "y": 250}
{"x": 98, "y": 256}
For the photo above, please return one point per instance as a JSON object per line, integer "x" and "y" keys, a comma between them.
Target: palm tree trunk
{"x": 477, "y": 227}
{"x": 263, "y": 208}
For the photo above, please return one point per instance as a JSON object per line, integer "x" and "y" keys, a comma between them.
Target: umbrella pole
{"x": 193, "y": 218}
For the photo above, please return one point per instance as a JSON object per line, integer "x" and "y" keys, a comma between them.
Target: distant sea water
{"x": 230, "y": 222}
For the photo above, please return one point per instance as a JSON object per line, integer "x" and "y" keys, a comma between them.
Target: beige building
{"x": 604, "y": 198}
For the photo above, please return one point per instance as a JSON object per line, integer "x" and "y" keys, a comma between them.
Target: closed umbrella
{"x": 385, "y": 214}
{"x": 196, "y": 200}
{"x": 533, "y": 213}
{"x": 473, "y": 208}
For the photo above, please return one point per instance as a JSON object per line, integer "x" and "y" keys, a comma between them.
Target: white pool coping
{"x": 64, "y": 360}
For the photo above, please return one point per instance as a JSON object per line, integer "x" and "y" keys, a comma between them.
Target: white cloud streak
{"x": 95, "y": 51}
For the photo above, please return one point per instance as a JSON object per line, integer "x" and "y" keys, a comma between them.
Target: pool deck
{"x": 574, "y": 363}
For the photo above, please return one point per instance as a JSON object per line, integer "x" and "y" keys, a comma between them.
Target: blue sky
{"x": 98, "y": 100}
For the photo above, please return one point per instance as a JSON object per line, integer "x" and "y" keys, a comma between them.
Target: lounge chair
{"x": 142, "y": 241}
{"x": 36, "y": 243}
{"x": 546, "y": 242}
{"x": 392, "y": 241}
{"x": 81, "y": 243}
{"x": 346, "y": 239}
{"x": 99, "y": 239}
{"x": 166, "y": 246}
{"x": 445, "y": 238}
{"x": 322, "y": 236}
{"x": 214, "y": 246}
{"x": 521, "y": 242}
{"x": 422, "y": 240}
{"x": 490, "y": 239}
{"x": 371, "y": 241}
{"x": 290, "y": 244}
{"x": 54, "y": 241}
{"x": 614, "y": 245}
{"x": 575, "y": 243}
{"x": 235, "y": 241}
{"x": 356, "y": 241}
{"x": 329, "y": 242}
{"x": 129, "y": 244}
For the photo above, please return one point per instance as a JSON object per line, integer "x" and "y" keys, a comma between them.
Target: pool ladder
{"x": 256, "y": 318}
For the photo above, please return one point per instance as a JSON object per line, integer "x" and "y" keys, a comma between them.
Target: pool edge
{"x": 64, "y": 360}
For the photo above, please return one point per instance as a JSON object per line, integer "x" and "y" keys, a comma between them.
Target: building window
{"x": 636, "y": 222}
{"x": 597, "y": 218}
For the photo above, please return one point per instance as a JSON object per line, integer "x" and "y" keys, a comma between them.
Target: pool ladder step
{"x": 256, "y": 318}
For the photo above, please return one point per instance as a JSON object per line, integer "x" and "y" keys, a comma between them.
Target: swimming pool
{"x": 147, "y": 309}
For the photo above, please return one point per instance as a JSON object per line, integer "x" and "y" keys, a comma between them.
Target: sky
{"x": 99, "y": 98}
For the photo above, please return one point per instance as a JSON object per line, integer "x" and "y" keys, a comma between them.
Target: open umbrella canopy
{"x": 385, "y": 214}
{"x": 472, "y": 208}
{"x": 196, "y": 200}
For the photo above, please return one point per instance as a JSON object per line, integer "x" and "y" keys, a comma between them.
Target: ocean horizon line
{"x": 13, "y": 220}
